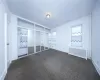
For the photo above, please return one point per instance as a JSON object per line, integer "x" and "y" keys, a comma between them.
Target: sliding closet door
{"x": 38, "y": 41}
{"x": 30, "y": 41}
{"x": 42, "y": 41}
{"x": 22, "y": 42}
{"x": 46, "y": 40}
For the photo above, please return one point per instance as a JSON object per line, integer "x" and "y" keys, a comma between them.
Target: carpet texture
{"x": 52, "y": 65}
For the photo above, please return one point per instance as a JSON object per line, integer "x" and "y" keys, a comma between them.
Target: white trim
{"x": 5, "y": 50}
{"x": 96, "y": 66}
{"x": 90, "y": 34}
{"x": 5, "y": 35}
{"x": 71, "y": 54}
{"x": 59, "y": 50}
{"x": 32, "y": 29}
{"x": 76, "y": 47}
{"x": 3, "y": 75}
{"x": 32, "y": 54}
{"x": 31, "y": 22}
{"x": 77, "y": 56}
{"x": 25, "y": 27}
{"x": 9, "y": 64}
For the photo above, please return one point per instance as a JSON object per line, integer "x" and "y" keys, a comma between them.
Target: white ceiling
{"x": 62, "y": 10}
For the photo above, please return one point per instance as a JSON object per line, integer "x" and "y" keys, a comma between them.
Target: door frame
{"x": 5, "y": 37}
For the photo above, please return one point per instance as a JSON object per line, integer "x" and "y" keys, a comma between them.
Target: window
{"x": 54, "y": 33}
{"x": 76, "y": 36}
{"x": 52, "y": 40}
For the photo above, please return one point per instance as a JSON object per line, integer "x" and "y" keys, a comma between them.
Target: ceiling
{"x": 61, "y": 11}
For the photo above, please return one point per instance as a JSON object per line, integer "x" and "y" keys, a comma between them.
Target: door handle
{"x": 7, "y": 43}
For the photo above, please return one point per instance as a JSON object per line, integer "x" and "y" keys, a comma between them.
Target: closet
{"x": 32, "y": 38}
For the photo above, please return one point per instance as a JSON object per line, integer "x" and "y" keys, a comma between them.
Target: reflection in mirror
{"x": 46, "y": 40}
{"x": 38, "y": 41}
{"x": 42, "y": 42}
{"x": 30, "y": 41}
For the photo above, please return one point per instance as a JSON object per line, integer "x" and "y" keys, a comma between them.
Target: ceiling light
{"x": 48, "y": 15}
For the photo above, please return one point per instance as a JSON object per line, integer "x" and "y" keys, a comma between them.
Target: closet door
{"x": 42, "y": 41}
{"x": 38, "y": 41}
{"x": 22, "y": 42}
{"x": 46, "y": 40}
{"x": 30, "y": 41}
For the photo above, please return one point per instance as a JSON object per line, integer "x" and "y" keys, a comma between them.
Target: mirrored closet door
{"x": 46, "y": 40}
{"x": 38, "y": 41}
{"x": 42, "y": 41}
{"x": 30, "y": 41}
{"x": 22, "y": 42}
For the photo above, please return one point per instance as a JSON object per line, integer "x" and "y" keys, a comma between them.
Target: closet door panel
{"x": 22, "y": 41}
{"x": 30, "y": 41}
{"x": 38, "y": 41}
{"x": 42, "y": 42}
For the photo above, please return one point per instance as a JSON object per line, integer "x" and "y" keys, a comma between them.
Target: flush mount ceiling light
{"x": 48, "y": 15}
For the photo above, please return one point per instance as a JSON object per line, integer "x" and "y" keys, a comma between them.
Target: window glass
{"x": 76, "y": 36}
{"x": 54, "y": 33}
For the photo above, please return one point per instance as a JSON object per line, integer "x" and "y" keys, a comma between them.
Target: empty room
{"x": 49, "y": 39}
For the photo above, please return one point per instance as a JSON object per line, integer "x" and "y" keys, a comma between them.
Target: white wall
{"x": 63, "y": 37}
{"x": 96, "y": 35}
{"x": 2, "y": 42}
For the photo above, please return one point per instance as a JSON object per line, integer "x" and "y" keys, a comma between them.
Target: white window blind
{"x": 76, "y": 36}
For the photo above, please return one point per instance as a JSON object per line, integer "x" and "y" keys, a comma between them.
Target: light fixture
{"x": 48, "y": 15}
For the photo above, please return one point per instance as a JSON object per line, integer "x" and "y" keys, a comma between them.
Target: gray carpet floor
{"x": 52, "y": 65}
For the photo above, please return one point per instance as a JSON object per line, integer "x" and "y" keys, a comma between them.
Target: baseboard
{"x": 77, "y": 56}
{"x": 32, "y": 54}
{"x": 71, "y": 54}
{"x": 60, "y": 50}
{"x": 96, "y": 66}
{"x": 9, "y": 64}
{"x": 3, "y": 75}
